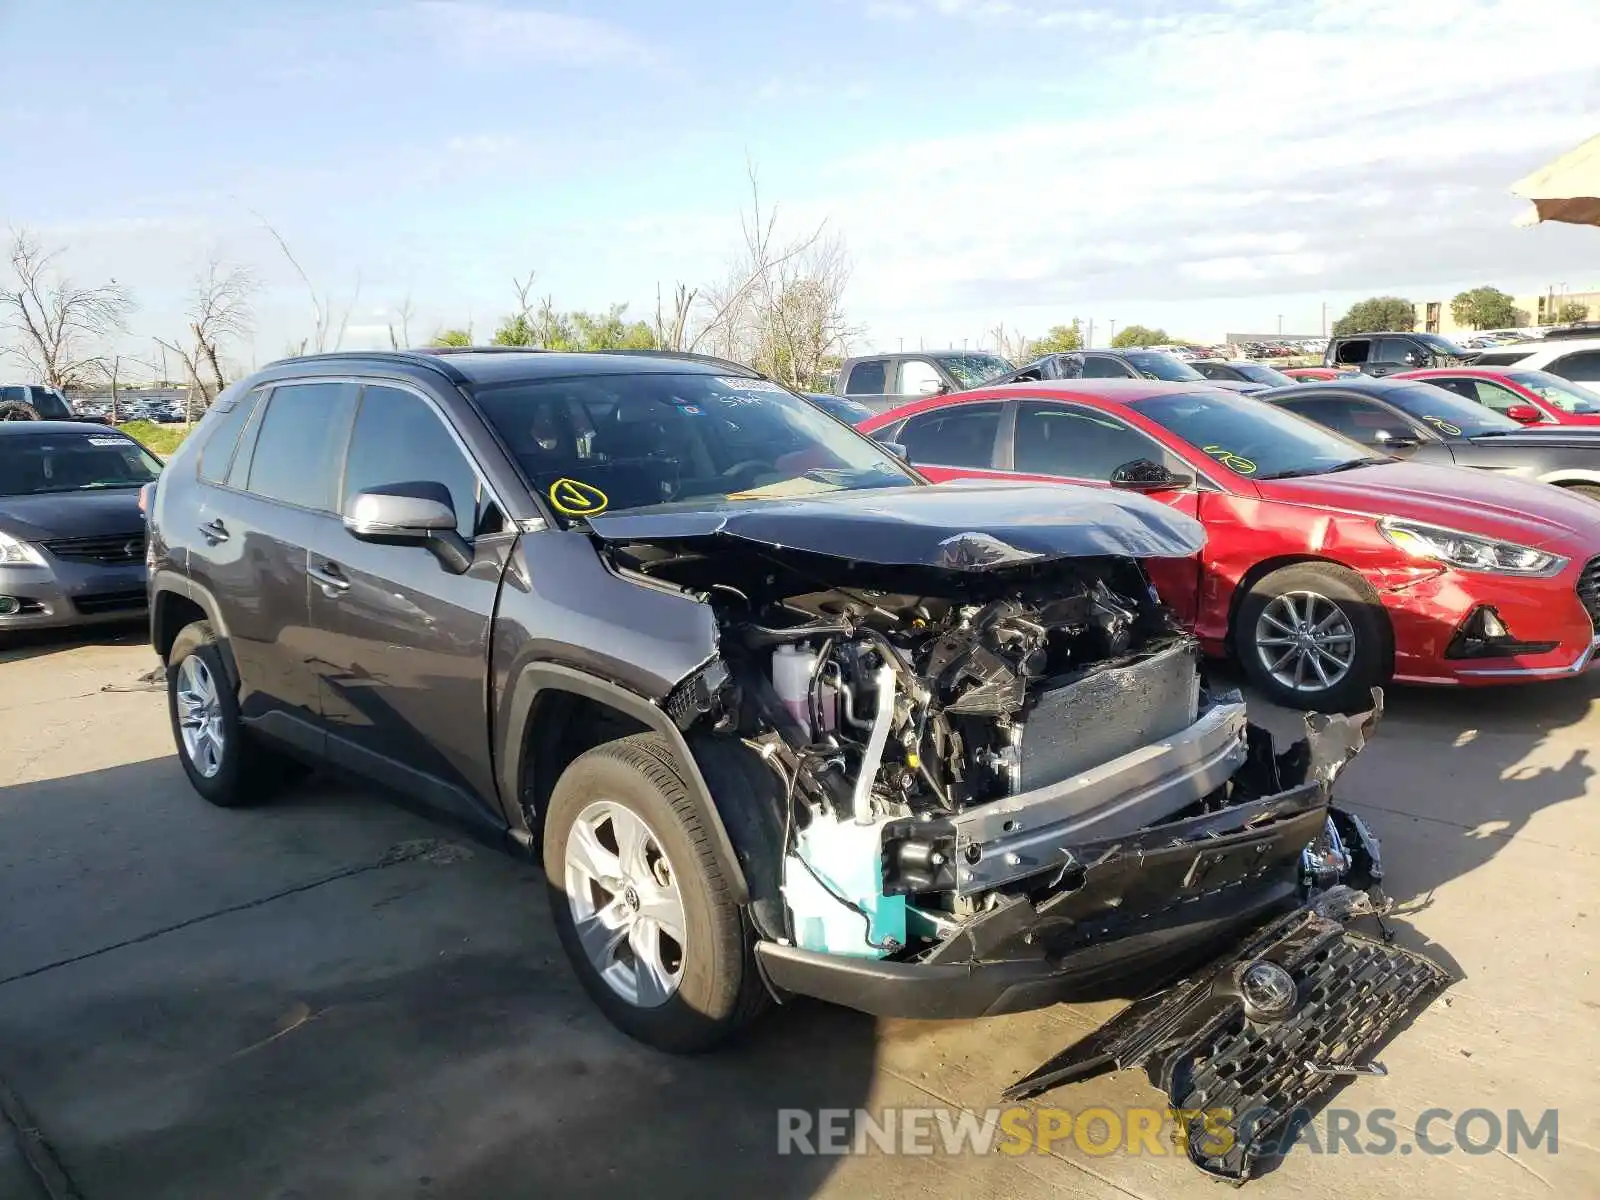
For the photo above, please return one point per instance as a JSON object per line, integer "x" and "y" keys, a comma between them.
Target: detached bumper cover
{"x": 1221, "y": 1060}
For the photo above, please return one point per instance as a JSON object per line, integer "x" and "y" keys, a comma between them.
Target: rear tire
{"x": 223, "y": 761}
{"x": 642, "y": 907}
{"x": 1314, "y": 636}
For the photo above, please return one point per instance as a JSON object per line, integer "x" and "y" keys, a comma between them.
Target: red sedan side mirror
{"x": 1526, "y": 413}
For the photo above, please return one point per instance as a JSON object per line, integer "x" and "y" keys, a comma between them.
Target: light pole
{"x": 1280, "y": 324}
{"x": 1113, "y": 333}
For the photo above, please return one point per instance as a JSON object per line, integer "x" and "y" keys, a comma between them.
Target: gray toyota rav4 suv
{"x": 775, "y": 715}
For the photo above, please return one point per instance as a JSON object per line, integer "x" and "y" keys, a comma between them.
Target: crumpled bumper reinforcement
{"x": 1217, "y": 1054}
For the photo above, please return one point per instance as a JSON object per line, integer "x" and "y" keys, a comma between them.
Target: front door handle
{"x": 214, "y": 531}
{"x": 330, "y": 578}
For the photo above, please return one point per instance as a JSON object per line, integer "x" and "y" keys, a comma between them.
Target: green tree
{"x": 1484, "y": 308}
{"x": 1571, "y": 312}
{"x": 1059, "y": 340}
{"x": 1139, "y": 335}
{"x": 1378, "y": 313}
{"x": 611, "y": 331}
{"x": 452, "y": 337}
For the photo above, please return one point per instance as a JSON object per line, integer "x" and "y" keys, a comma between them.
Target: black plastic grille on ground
{"x": 1244, "y": 1079}
{"x": 1589, "y": 590}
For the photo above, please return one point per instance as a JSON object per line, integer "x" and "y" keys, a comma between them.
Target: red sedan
{"x": 1311, "y": 374}
{"x": 1532, "y": 397}
{"x": 1328, "y": 568}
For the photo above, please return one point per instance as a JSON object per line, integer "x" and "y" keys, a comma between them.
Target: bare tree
{"x": 1012, "y": 344}
{"x": 404, "y": 313}
{"x": 326, "y": 333}
{"x": 672, "y": 330}
{"x": 59, "y": 327}
{"x": 219, "y": 312}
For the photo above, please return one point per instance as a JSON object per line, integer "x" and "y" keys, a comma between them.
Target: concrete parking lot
{"x": 330, "y": 997}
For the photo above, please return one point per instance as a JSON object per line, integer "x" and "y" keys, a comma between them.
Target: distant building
{"x": 1540, "y": 308}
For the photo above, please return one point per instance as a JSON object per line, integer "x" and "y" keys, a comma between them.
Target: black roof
{"x": 498, "y": 364}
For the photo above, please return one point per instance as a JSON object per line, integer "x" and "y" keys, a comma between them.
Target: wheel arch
{"x": 1568, "y": 476}
{"x": 176, "y": 604}
{"x": 1268, "y": 565}
{"x": 550, "y": 720}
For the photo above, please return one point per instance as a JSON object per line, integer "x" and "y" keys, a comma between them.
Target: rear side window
{"x": 50, "y": 404}
{"x": 1353, "y": 352}
{"x": 216, "y": 455}
{"x": 398, "y": 438}
{"x": 867, "y": 379}
{"x": 953, "y": 437}
{"x": 1500, "y": 358}
{"x": 297, "y": 450}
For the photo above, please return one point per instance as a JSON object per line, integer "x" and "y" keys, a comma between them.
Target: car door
{"x": 868, "y": 383}
{"x": 1372, "y": 424}
{"x": 401, "y": 643}
{"x": 1069, "y": 443}
{"x": 262, "y": 498}
{"x": 1391, "y": 354}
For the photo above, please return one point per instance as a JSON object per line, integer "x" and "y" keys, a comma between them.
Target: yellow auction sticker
{"x": 573, "y": 498}
{"x": 1443, "y": 426}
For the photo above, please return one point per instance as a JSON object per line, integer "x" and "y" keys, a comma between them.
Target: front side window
{"x": 1100, "y": 366}
{"x": 1359, "y": 420}
{"x": 37, "y": 464}
{"x": 1252, "y": 439}
{"x": 919, "y": 378}
{"x": 1077, "y": 443}
{"x": 607, "y": 443}
{"x": 1153, "y": 364}
{"x": 962, "y": 436}
{"x": 398, "y": 438}
{"x": 1568, "y": 397}
{"x": 1396, "y": 350}
{"x": 296, "y": 457}
{"x": 868, "y": 378}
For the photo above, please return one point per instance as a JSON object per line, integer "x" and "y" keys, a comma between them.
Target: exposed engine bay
{"x": 956, "y": 745}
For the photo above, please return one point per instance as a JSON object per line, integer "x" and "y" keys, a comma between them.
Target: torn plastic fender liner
{"x": 1259, "y": 1033}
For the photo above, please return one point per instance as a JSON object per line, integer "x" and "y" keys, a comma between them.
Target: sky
{"x": 1203, "y": 165}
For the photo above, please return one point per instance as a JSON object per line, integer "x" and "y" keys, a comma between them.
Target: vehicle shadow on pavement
{"x": 20, "y": 645}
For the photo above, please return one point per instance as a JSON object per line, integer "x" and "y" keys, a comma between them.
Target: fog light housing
{"x": 1484, "y": 635}
{"x": 10, "y": 606}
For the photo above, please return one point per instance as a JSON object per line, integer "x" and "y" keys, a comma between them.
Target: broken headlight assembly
{"x": 1468, "y": 552}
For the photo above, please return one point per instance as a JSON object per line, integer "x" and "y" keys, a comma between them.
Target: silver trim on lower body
{"x": 1587, "y": 659}
{"x": 1031, "y": 832}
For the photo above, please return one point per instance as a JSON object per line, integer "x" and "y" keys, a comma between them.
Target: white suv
{"x": 1577, "y": 359}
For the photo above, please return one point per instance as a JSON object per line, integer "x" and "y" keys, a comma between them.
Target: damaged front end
{"x": 995, "y": 779}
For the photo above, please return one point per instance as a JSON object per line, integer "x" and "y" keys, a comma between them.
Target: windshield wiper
{"x": 1302, "y": 472}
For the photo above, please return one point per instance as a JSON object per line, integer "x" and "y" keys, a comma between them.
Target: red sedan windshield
{"x": 1258, "y": 441}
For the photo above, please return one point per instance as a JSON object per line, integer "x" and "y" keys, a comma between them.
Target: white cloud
{"x": 487, "y": 32}
{"x": 1306, "y": 148}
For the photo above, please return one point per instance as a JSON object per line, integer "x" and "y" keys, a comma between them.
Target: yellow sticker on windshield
{"x": 572, "y": 498}
{"x": 1443, "y": 426}
{"x": 1241, "y": 466}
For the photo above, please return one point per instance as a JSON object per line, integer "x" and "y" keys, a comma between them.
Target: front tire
{"x": 224, "y": 763}
{"x": 1313, "y": 636}
{"x": 640, "y": 902}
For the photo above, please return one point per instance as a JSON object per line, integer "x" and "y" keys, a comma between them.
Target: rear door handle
{"x": 214, "y": 531}
{"x": 330, "y": 578}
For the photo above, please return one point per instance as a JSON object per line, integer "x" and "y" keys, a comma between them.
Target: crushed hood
{"x": 977, "y": 526}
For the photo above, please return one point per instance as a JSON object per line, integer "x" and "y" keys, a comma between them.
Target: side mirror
{"x": 1144, "y": 475}
{"x": 1525, "y": 413}
{"x": 932, "y": 387}
{"x": 897, "y": 449}
{"x": 1389, "y": 440}
{"x": 410, "y": 514}
{"x": 1411, "y": 358}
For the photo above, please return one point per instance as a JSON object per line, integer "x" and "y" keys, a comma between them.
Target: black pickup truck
{"x": 1388, "y": 353}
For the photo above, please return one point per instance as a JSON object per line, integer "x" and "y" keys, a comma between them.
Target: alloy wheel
{"x": 200, "y": 716}
{"x": 1305, "y": 641}
{"x": 626, "y": 906}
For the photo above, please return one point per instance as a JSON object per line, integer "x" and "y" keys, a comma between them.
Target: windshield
{"x": 1256, "y": 373}
{"x": 36, "y": 464}
{"x": 1568, "y": 397}
{"x": 1252, "y": 439}
{"x": 972, "y": 369}
{"x": 1152, "y": 364}
{"x": 607, "y": 443}
{"x": 1440, "y": 345}
{"x": 1446, "y": 412}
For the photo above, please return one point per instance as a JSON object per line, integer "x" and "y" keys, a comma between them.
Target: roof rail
{"x": 417, "y": 358}
{"x": 1586, "y": 330}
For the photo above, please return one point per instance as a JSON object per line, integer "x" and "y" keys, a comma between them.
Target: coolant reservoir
{"x": 792, "y": 668}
